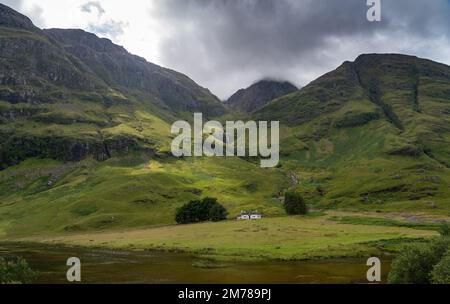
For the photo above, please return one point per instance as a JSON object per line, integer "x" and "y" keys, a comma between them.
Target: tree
{"x": 208, "y": 203}
{"x": 15, "y": 271}
{"x": 294, "y": 204}
{"x": 218, "y": 213}
{"x": 201, "y": 211}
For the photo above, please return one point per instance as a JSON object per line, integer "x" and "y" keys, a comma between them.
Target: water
{"x": 109, "y": 266}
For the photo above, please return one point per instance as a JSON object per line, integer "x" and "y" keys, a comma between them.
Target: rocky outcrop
{"x": 15, "y": 148}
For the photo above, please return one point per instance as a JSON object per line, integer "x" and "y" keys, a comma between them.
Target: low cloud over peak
{"x": 228, "y": 44}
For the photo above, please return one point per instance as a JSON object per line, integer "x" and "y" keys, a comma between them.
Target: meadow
{"x": 282, "y": 238}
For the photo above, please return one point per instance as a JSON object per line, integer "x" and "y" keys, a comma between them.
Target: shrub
{"x": 415, "y": 263}
{"x": 441, "y": 272}
{"x": 444, "y": 230}
{"x": 294, "y": 204}
{"x": 201, "y": 211}
{"x": 15, "y": 271}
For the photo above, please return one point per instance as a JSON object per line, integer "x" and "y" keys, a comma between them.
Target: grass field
{"x": 287, "y": 238}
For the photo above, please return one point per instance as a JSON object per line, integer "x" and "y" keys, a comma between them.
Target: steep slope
{"x": 259, "y": 94}
{"x": 373, "y": 133}
{"x": 67, "y": 94}
{"x": 135, "y": 76}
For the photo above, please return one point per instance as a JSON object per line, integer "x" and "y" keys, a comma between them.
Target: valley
{"x": 86, "y": 162}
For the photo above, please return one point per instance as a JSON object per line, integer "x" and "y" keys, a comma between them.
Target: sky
{"x": 226, "y": 45}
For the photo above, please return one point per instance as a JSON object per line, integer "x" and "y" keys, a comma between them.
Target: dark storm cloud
{"x": 227, "y": 44}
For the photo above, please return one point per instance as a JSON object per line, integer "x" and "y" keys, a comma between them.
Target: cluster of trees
{"x": 294, "y": 204}
{"x": 424, "y": 263}
{"x": 15, "y": 271}
{"x": 197, "y": 211}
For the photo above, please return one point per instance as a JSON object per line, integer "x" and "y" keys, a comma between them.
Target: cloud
{"x": 110, "y": 28}
{"x": 228, "y": 44}
{"x": 99, "y": 23}
{"x": 15, "y": 4}
{"x": 36, "y": 13}
{"x": 92, "y": 6}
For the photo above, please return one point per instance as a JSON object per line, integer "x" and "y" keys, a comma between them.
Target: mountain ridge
{"x": 117, "y": 67}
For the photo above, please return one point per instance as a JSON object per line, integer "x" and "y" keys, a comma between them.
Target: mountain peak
{"x": 11, "y": 18}
{"x": 259, "y": 94}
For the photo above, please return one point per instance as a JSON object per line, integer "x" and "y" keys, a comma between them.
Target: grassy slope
{"x": 352, "y": 169}
{"x": 126, "y": 192}
{"x": 272, "y": 238}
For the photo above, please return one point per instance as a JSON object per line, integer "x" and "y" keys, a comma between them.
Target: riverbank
{"x": 283, "y": 238}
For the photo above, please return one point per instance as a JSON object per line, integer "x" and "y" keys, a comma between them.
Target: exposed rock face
{"x": 259, "y": 94}
{"x": 33, "y": 70}
{"x": 20, "y": 147}
{"x": 129, "y": 73}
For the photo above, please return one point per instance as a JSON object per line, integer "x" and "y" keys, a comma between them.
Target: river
{"x": 151, "y": 267}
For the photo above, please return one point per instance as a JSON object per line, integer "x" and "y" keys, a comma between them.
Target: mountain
{"x": 67, "y": 94}
{"x": 374, "y": 133}
{"x": 259, "y": 94}
{"x": 85, "y": 135}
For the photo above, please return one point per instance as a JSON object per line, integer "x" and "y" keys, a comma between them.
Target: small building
{"x": 249, "y": 215}
{"x": 256, "y": 216}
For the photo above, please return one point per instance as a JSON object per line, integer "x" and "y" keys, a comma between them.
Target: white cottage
{"x": 249, "y": 215}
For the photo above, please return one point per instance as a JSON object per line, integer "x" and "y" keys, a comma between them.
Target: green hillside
{"x": 373, "y": 134}
{"x": 40, "y": 196}
{"x": 85, "y": 134}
